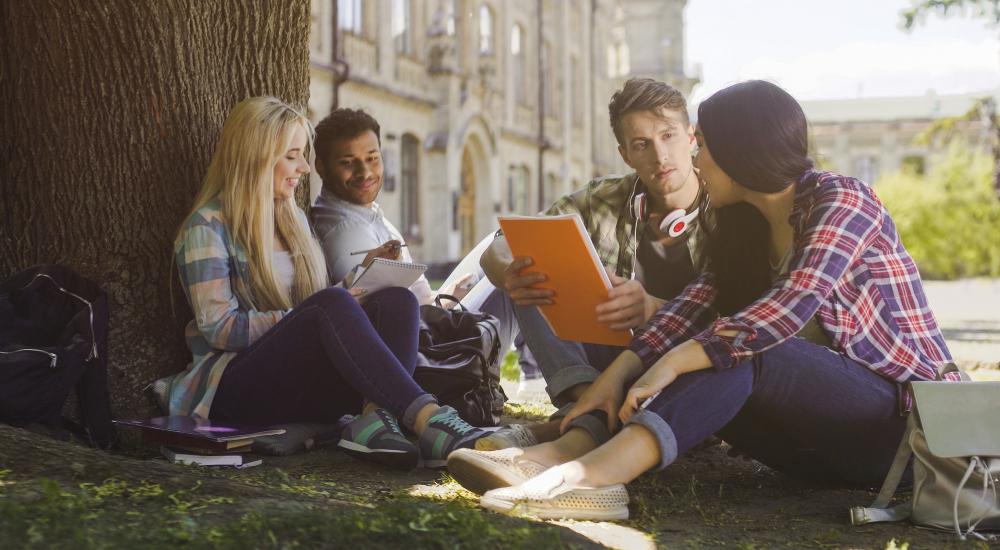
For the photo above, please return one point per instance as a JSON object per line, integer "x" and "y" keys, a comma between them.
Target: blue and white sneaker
{"x": 376, "y": 437}
{"x": 446, "y": 432}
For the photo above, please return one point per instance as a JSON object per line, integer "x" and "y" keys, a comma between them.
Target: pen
{"x": 367, "y": 251}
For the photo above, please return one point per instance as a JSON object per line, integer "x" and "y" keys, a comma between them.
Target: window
{"x": 548, "y": 94}
{"x": 400, "y": 26}
{"x": 485, "y": 30}
{"x": 866, "y": 168}
{"x": 517, "y": 63}
{"x": 519, "y": 190}
{"x": 349, "y": 15}
{"x": 450, "y": 17}
{"x": 576, "y": 92}
{"x": 619, "y": 63}
{"x": 409, "y": 181}
{"x": 550, "y": 192}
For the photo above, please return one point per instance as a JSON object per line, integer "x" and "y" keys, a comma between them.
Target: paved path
{"x": 969, "y": 314}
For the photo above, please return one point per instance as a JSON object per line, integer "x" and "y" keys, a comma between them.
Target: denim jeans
{"x": 799, "y": 408}
{"x": 564, "y": 364}
{"x": 324, "y": 358}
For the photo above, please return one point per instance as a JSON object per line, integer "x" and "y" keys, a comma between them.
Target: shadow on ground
{"x": 61, "y": 495}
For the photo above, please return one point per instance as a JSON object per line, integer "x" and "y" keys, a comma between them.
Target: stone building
{"x": 487, "y": 107}
{"x": 873, "y": 136}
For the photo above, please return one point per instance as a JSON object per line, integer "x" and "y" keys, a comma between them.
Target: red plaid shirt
{"x": 848, "y": 269}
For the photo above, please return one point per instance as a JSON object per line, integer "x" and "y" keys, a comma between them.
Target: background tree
{"x": 109, "y": 113}
{"x": 985, "y": 109}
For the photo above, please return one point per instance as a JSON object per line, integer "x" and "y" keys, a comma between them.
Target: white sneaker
{"x": 480, "y": 471}
{"x": 514, "y": 435}
{"x": 550, "y": 496}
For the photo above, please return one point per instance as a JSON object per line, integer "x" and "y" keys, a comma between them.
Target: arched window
{"x": 409, "y": 183}
{"x": 349, "y": 16}
{"x": 519, "y": 190}
{"x": 517, "y": 63}
{"x": 485, "y": 30}
{"x": 401, "y": 24}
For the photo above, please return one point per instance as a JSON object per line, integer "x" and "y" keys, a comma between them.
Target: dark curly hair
{"x": 344, "y": 124}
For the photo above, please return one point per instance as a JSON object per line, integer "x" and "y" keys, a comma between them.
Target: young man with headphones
{"x": 644, "y": 227}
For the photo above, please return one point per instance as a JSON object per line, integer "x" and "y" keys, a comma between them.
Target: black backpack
{"x": 53, "y": 338}
{"x": 459, "y": 362}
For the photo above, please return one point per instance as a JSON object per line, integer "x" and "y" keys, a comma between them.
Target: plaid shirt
{"x": 603, "y": 206}
{"x": 848, "y": 269}
{"x": 215, "y": 277}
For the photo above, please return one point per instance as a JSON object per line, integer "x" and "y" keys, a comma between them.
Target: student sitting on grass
{"x": 792, "y": 345}
{"x": 271, "y": 342}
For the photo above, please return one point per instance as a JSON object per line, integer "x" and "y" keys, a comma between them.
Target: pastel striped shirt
{"x": 215, "y": 277}
{"x": 848, "y": 268}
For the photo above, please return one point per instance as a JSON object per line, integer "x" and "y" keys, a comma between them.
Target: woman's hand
{"x": 686, "y": 357}
{"x": 656, "y": 378}
{"x": 605, "y": 393}
{"x": 389, "y": 250}
{"x": 460, "y": 288}
{"x": 358, "y": 293}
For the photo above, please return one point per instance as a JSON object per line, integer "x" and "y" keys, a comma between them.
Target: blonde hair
{"x": 257, "y": 132}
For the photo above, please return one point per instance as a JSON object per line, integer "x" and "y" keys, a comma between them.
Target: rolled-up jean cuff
{"x": 663, "y": 433}
{"x": 561, "y": 412}
{"x": 595, "y": 424}
{"x": 410, "y": 414}
{"x": 567, "y": 377}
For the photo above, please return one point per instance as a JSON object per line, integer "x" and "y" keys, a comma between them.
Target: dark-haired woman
{"x": 791, "y": 346}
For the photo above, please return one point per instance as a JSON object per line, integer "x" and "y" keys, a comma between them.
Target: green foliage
{"x": 949, "y": 220}
{"x": 984, "y": 9}
{"x": 509, "y": 369}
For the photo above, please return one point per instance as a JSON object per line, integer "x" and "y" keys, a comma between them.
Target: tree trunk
{"x": 109, "y": 114}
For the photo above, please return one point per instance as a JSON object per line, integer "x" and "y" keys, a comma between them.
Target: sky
{"x": 824, "y": 49}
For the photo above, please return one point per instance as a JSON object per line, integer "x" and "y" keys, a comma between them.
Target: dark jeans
{"x": 324, "y": 358}
{"x": 799, "y": 408}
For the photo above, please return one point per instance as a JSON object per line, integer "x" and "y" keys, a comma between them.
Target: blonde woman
{"x": 271, "y": 343}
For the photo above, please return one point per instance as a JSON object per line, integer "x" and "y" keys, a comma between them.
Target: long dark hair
{"x": 757, "y": 134}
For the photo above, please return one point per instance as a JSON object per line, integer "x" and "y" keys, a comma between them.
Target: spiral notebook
{"x": 383, "y": 273}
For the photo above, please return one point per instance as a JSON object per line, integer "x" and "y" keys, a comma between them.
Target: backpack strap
{"x": 879, "y": 511}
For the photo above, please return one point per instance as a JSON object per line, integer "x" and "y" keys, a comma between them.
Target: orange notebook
{"x": 561, "y": 249}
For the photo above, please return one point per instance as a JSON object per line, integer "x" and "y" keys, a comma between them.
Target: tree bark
{"x": 109, "y": 113}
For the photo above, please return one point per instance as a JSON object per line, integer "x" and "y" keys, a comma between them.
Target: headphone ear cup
{"x": 677, "y": 222}
{"x": 638, "y": 207}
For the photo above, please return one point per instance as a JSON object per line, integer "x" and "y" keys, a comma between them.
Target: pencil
{"x": 369, "y": 250}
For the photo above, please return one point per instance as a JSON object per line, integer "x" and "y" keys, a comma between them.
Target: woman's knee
{"x": 331, "y": 299}
{"x": 400, "y": 296}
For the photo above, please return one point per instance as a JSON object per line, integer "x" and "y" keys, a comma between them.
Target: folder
{"x": 562, "y": 250}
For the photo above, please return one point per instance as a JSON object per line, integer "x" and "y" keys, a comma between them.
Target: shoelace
{"x": 389, "y": 420}
{"x": 454, "y": 422}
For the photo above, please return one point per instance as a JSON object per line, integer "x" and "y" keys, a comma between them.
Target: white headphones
{"x": 674, "y": 224}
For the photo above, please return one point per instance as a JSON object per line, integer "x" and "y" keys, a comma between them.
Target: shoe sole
{"x": 479, "y": 475}
{"x": 400, "y": 460}
{"x": 545, "y": 512}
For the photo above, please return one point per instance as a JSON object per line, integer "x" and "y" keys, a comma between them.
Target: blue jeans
{"x": 799, "y": 408}
{"x": 326, "y": 357}
{"x": 564, "y": 364}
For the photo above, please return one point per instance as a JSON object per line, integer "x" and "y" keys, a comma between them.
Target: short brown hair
{"x": 343, "y": 124}
{"x": 644, "y": 94}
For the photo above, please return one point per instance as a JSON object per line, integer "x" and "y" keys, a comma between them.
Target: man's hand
{"x": 520, "y": 284}
{"x": 628, "y": 306}
{"x": 389, "y": 250}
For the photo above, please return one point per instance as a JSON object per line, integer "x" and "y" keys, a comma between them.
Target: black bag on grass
{"x": 53, "y": 338}
{"x": 459, "y": 361}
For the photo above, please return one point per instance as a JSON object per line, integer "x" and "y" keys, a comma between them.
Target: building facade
{"x": 869, "y": 137}
{"x": 487, "y": 107}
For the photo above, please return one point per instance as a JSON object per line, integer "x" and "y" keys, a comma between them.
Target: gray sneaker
{"x": 376, "y": 437}
{"x": 514, "y": 435}
{"x": 446, "y": 432}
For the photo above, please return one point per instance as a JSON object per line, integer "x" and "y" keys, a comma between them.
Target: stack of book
{"x": 188, "y": 440}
